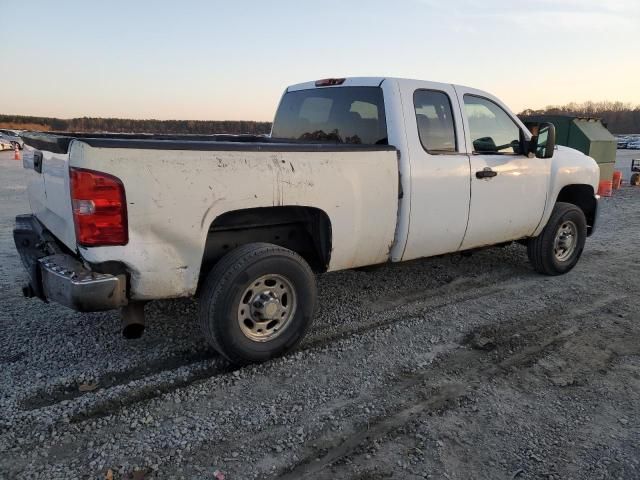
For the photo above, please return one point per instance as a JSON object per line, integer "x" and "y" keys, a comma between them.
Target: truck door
{"x": 439, "y": 169}
{"x": 508, "y": 189}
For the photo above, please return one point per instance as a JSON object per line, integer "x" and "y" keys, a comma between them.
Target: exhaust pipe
{"x": 133, "y": 320}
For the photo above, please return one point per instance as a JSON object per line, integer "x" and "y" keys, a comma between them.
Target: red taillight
{"x": 329, "y": 82}
{"x": 99, "y": 208}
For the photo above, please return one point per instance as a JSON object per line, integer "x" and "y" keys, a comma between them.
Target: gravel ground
{"x": 452, "y": 367}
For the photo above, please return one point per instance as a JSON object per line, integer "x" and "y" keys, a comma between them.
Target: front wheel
{"x": 558, "y": 248}
{"x": 257, "y": 303}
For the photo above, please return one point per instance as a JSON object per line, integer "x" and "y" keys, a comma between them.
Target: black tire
{"x": 223, "y": 291}
{"x": 541, "y": 249}
{"x": 15, "y": 145}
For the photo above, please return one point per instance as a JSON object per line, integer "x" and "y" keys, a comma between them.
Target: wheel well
{"x": 305, "y": 230}
{"x": 583, "y": 197}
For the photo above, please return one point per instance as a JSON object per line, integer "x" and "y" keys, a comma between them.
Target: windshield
{"x": 332, "y": 115}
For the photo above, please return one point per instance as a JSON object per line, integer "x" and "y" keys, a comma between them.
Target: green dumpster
{"x": 588, "y": 135}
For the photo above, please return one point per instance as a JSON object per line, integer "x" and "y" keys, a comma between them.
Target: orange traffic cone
{"x": 16, "y": 153}
{"x": 605, "y": 187}
{"x": 617, "y": 179}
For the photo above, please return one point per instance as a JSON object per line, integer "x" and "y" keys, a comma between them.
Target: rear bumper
{"x": 60, "y": 277}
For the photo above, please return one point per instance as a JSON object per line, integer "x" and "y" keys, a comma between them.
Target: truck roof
{"x": 356, "y": 82}
{"x": 348, "y": 82}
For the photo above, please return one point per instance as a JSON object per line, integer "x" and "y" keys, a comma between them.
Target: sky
{"x": 231, "y": 60}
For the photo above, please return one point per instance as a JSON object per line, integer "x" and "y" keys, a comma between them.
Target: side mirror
{"x": 484, "y": 145}
{"x": 543, "y": 142}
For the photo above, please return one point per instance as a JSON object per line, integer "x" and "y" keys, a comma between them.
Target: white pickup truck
{"x": 357, "y": 171}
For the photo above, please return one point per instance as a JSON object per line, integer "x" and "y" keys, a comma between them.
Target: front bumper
{"x": 60, "y": 277}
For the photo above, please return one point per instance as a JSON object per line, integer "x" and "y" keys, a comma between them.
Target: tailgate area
{"x": 49, "y": 193}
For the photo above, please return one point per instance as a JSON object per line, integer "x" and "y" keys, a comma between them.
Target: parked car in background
{"x": 634, "y": 145}
{"x": 622, "y": 142}
{"x": 13, "y": 137}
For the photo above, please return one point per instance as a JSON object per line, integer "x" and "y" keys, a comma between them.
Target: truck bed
{"x": 177, "y": 185}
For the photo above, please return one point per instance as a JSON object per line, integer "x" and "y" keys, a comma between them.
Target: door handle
{"x": 486, "y": 172}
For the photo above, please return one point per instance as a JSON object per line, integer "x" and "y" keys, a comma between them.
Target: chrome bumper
{"x": 60, "y": 277}
{"x": 67, "y": 282}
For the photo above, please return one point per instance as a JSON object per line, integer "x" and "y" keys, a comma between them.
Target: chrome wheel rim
{"x": 266, "y": 308}
{"x": 566, "y": 241}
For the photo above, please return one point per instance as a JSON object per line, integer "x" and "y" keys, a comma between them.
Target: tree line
{"x": 619, "y": 117}
{"x": 125, "y": 125}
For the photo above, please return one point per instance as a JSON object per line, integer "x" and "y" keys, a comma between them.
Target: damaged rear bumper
{"x": 57, "y": 276}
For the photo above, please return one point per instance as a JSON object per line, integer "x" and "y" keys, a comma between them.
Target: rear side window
{"x": 434, "y": 117}
{"x": 332, "y": 115}
{"x": 492, "y": 129}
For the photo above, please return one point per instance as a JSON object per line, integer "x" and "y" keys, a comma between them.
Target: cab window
{"x": 492, "y": 130}
{"x": 332, "y": 115}
{"x": 434, "y": 118}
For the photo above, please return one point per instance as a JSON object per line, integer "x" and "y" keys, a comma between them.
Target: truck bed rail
{"x": 58, "y": 142}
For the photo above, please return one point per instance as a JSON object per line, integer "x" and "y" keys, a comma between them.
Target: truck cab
{"x": 468, "y": 175}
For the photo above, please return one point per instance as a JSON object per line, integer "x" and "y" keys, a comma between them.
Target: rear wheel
{"x": 257, "y": 303}
{"x": 559, "y": 247}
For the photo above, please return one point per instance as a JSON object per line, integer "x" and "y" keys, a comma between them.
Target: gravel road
{"x": 452, "y": 367}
